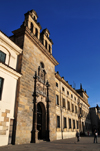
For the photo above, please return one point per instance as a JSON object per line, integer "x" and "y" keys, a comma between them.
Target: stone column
{"x": 48, "y": 117}
{"x": 34, "y": 138}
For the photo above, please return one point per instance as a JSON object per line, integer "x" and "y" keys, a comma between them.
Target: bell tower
{"x": 31, "y": 22}
{"x": 46, "y": 41}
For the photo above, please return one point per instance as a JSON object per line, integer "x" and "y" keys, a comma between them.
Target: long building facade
{"x": 46, "y": 106}
{"x": 72, "y": 109}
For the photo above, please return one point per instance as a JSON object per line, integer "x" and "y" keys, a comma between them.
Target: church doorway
{"x": 41, "y": 120}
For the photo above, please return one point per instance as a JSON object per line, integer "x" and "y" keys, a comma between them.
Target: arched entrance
{"x": 41, "y": 120}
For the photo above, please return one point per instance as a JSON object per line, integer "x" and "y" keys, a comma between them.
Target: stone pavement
{"x": 85, "y": 144}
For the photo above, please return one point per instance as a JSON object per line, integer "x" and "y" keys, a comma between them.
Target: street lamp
{"x": 47, "y": 134}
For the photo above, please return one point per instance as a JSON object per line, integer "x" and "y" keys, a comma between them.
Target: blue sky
{"x": 74, "y": 27}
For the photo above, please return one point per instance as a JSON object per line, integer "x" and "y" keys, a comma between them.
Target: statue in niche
{"x": 41, "y": 73}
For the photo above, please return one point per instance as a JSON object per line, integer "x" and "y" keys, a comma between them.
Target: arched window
{"x": 45, "y": 44}
{"x": 41, "y": 64}
{"x": 36, "y": 32}
{"x": 49, "y": 48}
{"x": 31, "y": 27}
{"x": 34, "y": 18}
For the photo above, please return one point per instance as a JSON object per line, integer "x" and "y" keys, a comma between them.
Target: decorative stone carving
{"x": 41, "y": 89}
{"x": 41, "y": 75}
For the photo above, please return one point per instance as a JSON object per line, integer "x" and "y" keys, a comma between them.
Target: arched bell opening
{"x": 41, "y": 120}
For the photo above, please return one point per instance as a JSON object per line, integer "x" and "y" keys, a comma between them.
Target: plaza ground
{"x": 85, "y": 144}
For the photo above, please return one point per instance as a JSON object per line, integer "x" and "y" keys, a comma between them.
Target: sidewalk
{"x": 85, "y": 144}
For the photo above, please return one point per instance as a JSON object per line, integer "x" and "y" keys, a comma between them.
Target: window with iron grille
{"x": 69, "y": 123}
{"x": 65, "y": 125}
{"x": 1, "y": 86}
{"x": 58, "y": 121}
{"x": 73, "y": 124}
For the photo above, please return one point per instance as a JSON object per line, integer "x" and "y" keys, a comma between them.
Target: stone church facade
{"x": 37, "y": 56}
{"x": 46, "y": 106}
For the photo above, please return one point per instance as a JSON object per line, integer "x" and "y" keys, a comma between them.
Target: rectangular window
{"x": 56, "y": 84}
{"x": 75, "y": 109}
{"x": 63, "y": 89}
{"x": 71, "y": 96}
{"x": 72, "y": 108}
{"x": 77, "y": 124}
{"x": 69, "y": 123}
{"x": 63, "y": 102}
{"x": 57, "y": 99}
{"x": 1, "y": 86}
{"x": 75, "y": 98}
{"x": 58, "y": 121}
{"x": 73, "y": 124}
{"x": 2, "y": 56}
{"x": 80, "y": 110}
{"x": 67, "y": 92}
{"x": 68, "y": 104}
{"x": 65, "y": 125}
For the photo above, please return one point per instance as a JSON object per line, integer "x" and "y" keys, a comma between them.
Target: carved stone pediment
{"x": 41, "y": 88}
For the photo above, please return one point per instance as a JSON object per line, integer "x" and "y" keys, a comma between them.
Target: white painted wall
{"x": 10, "y": 76}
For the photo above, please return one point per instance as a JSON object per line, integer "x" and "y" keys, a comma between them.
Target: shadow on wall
{"x": 95, "y": 118}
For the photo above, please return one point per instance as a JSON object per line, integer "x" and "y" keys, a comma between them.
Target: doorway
{"x": 39, "y": 121}
{"x": 41, "y": 118}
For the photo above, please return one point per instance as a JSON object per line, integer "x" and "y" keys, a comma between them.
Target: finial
{"x": 80, "y": 86}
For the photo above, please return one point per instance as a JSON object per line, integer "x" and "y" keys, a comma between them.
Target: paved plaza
{"x": 85, "y": 144}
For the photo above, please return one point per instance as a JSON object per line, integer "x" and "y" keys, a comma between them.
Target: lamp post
{"x": 47, "y": 133}
{"x": 34, "y": 138}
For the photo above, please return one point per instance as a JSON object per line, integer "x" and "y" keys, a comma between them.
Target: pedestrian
{"x": 95, "y": 135}
{"x": 77, "y": 135}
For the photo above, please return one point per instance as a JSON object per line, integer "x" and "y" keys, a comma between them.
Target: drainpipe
{"x": 61, "y": 116}
{"x": 34, "y": 137}
{"x": 48, "y": 118}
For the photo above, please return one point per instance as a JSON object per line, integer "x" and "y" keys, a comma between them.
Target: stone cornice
{"x": 17, "y": 49}
{"x": 9, "y": 70}
{"x": 40, "y": 46}
{"x": 67, "y": 85}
